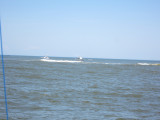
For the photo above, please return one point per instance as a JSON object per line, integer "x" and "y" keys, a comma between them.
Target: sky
{"x": 118, "y": 29}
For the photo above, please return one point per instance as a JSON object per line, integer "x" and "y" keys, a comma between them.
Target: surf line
{"x": 4, "y": 80}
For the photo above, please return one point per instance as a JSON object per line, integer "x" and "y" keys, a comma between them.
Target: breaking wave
{"x": 87, "y": 62}
{"x": 60, "y": 61}
{"x": 148, "y": 64}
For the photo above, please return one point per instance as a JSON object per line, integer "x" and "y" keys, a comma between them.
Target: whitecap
{"x": 60, "y": 61}
{"x": 143, "y": 64}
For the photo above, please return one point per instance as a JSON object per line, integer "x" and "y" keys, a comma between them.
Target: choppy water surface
{"x": 96, "y": 89}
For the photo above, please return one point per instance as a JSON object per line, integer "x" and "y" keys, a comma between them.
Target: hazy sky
{"x": 122, "y": 29}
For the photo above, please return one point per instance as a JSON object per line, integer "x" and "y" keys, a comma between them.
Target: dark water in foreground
{"x": 96, "y": 89}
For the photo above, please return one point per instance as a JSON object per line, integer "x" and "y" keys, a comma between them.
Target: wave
{"x": 143, "y": 64}
{"x": 132, "y": 63}
{"x": 61, "y": 61}
{"x": 84, "y": 62}
{"x": 147, "y": 64}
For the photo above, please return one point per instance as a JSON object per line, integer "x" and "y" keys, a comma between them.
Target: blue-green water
{"x": 95, "y": 89}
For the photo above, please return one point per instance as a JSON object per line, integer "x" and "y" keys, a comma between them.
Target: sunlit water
{"x": 95, "y": 89}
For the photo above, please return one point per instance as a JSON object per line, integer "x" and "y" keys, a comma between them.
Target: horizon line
{"x": 81, "y": 56}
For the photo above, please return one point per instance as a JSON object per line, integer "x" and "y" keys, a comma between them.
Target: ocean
{"x": 94, "y": 89}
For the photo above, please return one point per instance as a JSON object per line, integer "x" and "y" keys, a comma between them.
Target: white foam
{"x": 148, "y": 64}
{"x": 76, "y": 61}
{"x": 60, "y": 61}
{"x": 143, "y": 64}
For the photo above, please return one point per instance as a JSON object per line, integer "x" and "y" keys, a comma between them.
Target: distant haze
{"x": 120, "y": 29}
